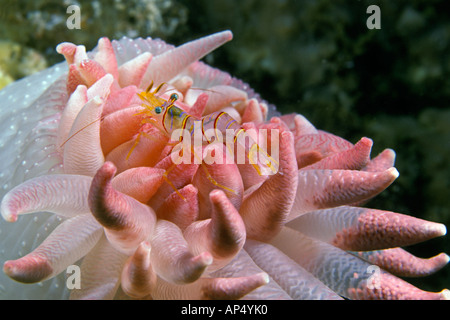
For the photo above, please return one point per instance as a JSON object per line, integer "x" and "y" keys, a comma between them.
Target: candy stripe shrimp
{"x": 170, "y": 120}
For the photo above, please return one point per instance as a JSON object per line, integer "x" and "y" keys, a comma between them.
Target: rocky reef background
{"x": 314, "y": 57}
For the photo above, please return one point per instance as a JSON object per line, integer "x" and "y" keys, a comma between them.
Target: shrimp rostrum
{"x": 192, "y": 133}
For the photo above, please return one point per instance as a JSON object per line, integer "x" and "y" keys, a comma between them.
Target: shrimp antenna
{"x": 78, "y": 131}
{"x": 149, "y": 88}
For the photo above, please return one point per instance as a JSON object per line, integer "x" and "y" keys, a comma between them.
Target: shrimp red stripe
{"x": 215, "y": 123}
{"x": 203, "y": 129}
{"x": 164, "y": 119}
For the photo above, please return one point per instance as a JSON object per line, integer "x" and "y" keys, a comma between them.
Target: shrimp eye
{"x": 158, "y": 110}
{"x": 173, "y": 97}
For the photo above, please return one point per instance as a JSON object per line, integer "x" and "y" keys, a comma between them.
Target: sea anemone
{"x": 140, "y": 226}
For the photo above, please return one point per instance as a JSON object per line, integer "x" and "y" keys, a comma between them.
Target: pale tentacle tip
{"x": 437, "y": 229}
{"x": 8, "y": 268}
{"x": 8, "y": 214}
{"x": 441, "y": 229}
{"x": 11, "y": 269}
{"x": 391, "y": 152}
{"x": 9, "y": 217}
{"x": 445, "y": 294}
{"x": 144, "y": 246}
{"x": 394, "y": 172}
{"x": 98, "y": 100}
{"x": 228, "y": 34}
{"x": 446, "y": 257}
{"x": 28, "y": 271}
{"x": 196, "y": 266}
{"x": 203, "y": 259}
{"x": 264, "y": 277}
{"x": 110, "y": 168}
